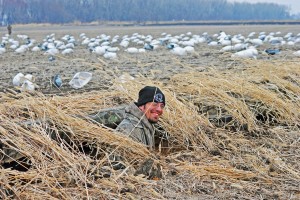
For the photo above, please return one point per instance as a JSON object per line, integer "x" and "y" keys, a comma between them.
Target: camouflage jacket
{"x": 110, "y": 117}
{"x": 137, "y": 126}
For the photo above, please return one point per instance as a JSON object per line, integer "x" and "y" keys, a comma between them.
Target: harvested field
{"x": 231, "y": 124}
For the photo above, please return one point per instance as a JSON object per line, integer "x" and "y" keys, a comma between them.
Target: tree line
{"x": 66, "y": 11}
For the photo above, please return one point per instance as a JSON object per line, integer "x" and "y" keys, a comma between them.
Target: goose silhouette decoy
{"x": 57, "y": 81}
{"x": 272, "y": 51}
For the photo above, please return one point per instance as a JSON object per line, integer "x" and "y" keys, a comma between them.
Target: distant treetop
{"x": 66, "y": 11}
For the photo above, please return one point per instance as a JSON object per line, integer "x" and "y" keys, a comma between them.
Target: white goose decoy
{"x": 93, "y": 44}
{"x": 124, "y": 43}
{"x": 26, "y": 82}
{"x": 114, "y": 40}
{"x": 36, "y": 49}
{"x": 288, "y": 35}
{"x": 201, "y": 39}
{"x": 110, "y": 55}
{"x": 100, "y": 50}
{"x": 225, "y": 41}
{"x": 240, "y": 46}
{"x": 67, "y": 51}
{"x": 50, "y": 45}
{"x": 70, "y": 46}
{"x": 21, "y": 49}
{"x": 142, "y": 50}
{"x": 179, "y": 51}
{"x": 22, "y": 37}
{"x": 188, "y": 43}
{"x": 61, "y": 47}
{"x": 86, "y": 41}
{"x": 213, "y": 43}
{"x": 297, "y": 53}
{"x": 221, "y": 35}
{"x": 227, "y": 48}
{"x": 173, "y": 40}
{"x": 189, "y": 33}
{"x": 13, "y": 46}
{"x": 256, "y": 42}
{"x": 113, "y": 49}
{"x": 276, "y": 41}
{"x": 148, "y": 39}
{"x": 185, "y": 38}
{"x": 18, "y": 79}
{"x": 52, "y": 51}
{"x": 297, "y": 40}
{"x": 189, "y": 49}
{"x": 132, "y": 50}
{"x": 105, "y": 43}
{"x": 251, "y": 52}
{"x": 2, "y": 50}
{"x": 27, "y": 86}
{"x": 82, "y": 35}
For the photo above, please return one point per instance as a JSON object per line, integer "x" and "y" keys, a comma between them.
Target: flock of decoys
{"x": 108, "y": 47}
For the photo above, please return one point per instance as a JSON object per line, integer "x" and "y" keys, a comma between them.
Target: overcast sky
{"x": 293, "y": 4}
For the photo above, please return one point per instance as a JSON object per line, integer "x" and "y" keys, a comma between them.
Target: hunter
{"x": 9, "y": 28}
{"x": 140, "y": 116}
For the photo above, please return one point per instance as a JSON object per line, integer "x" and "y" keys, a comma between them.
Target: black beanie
{"x": 150, "y": 94}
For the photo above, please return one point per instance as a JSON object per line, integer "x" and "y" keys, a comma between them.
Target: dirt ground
{"x": 159, "y": 64}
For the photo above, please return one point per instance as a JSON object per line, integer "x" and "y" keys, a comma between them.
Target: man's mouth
{"x": 156, "y": 114}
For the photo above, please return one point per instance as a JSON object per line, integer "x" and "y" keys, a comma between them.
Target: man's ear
{"x": 142, "y": 107}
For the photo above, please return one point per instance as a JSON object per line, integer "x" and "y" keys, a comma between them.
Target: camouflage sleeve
{"x": 133, "y": 130}
{"x": 109, "y": 117}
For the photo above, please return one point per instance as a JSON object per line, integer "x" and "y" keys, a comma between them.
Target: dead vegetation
{"x": 231, "y": 134}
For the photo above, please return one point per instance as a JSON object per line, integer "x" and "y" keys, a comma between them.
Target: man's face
{"x": 152, "y": 111}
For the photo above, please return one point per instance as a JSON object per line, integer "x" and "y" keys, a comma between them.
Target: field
{"x": 232, "y": 124}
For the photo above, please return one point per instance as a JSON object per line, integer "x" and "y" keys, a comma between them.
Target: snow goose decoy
{"x": 110, "y": 55}
{"x": 18, "y": 79}
{"x": 21, "y": 49}
{"x": 67, "y": 51}
{"x": 52, "y": 51}
{"x": 297, "y": 53}
{"x": 2, "y": 50}
{"x": 189, "y": 49}
{"x": 27, "y": 86}
{"x": 251, "y": 52}
{"x": 179, "y": 51}
{"x": 100, "y": 50}
{"x": 132, "y": 50}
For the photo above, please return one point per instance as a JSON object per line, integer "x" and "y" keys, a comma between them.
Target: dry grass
{"x": 253, "y": 156}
